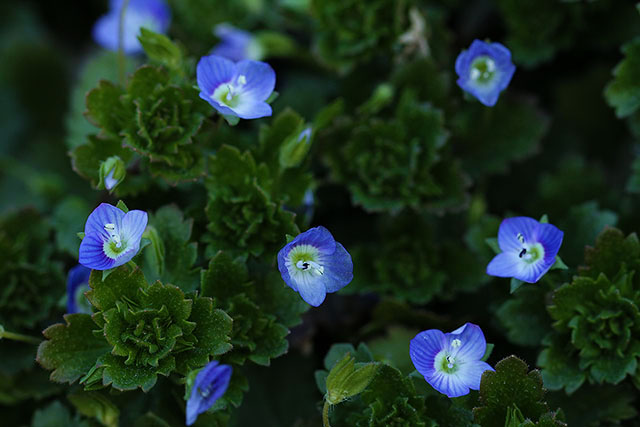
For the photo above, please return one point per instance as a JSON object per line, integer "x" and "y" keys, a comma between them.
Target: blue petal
{"x": 78, "y": 276}
{"x": 511, "y": 227}
{"x": 249, "y": 109}
{"x": 102, "y": 215}
{"x": 318, "y": 237}
{"x": 92, "y": 253}
{"x": 424, "y": 348}
{"x": 211, "y": 72}
{"x": 282, "y": 266}
{"x": 133, "y": 225}
{"x": 313, "y": 292}
{"x": 550, "y": 237}
{"x": 338, "y": 271}
{"x": 453, "y": 385}
{"x": 531, "y": 273}
{"x": 473, "y": 344}
{"x": 471, "y": 373}
{"x": 213, "y": 379}
{"x": 506, "y": 264}
{"x": 462, "y": 65}
{"x": 261, "y": 79}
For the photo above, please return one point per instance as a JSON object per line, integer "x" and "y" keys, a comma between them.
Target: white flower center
{"x": 312, "y": 266}
{"x": 114, "y": 236}
{"x": 451, "y": 361}
{"x": 530, "y": 252}
{"x": 227, "y": 93}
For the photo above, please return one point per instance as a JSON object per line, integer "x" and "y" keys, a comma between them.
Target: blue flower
{"x": 77, "y": 284}
{"x": 111, "y": 237}
{"x": 154, "y": 15}
{"x": 450, "y": 362}
{"x": 236, "y": 44}
{"x": 528, "y": 247}
{"x": 236, "y": 89}
{"x": 210, "y": 384}
{"x": 314, "y": 264}
{"x": 485, "y": 70}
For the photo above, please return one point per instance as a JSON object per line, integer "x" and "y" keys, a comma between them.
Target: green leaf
{"x": 492, "y": 242}
{"x": 345, "y": 380}
{"x": 129, "y": 377}
{"x": 515, "y": 284}
{"x": 511, "y": 385}
{"x": 179, "y": 253}
{"x": 154, "y": 256}
{"x": 610, "y": 252}
{"x": 559, "y": 264}
{"x": 623, "y": 93}
{"x": 121, "y": 285}
{"x": 103, "y": 65}
{"x": 95, "y": 404}
{"x": 495, "y": 138}
{"x": 524, "y": 316}
{"x": 56, "y": 415}
{"x": 87, "y": 158}
{"x": 160, "y": 48}
{"x": 559, "y": 369}
{"x": 72, "y": 348}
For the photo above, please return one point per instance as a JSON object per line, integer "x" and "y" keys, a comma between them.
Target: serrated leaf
{"x": 72, "y": 348}
{"x": 623, "y": 93}
{"x": 122, "y": 284}
{"x": 510, "y": 385}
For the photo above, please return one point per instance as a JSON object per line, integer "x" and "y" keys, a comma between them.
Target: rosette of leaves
{"x": 32, "y": 280}
{"x": 263, "y": 308}
{"x": 352, "y": 31}
{"x": 390, "y": 398}
{"x": 138, "y": 332}
{"x": 242, "y": 215}
{"x": 152, "y": 117}
{"x": 396, "y": 160}
{"x": 597, "y": 320}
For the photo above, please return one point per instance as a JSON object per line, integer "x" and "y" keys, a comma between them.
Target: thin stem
{"x": 19, "y": 337}
{"x": 121, "y": 59}
{"x": 325, "y": 414}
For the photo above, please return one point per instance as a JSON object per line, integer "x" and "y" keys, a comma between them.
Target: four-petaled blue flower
{"x": 314, "y": 264}
{"x": 153, "y": 15}
{"x": 210, "y": 384}
{"x": 236, "y": 44}
{"x": 236, "y": 89}
{"x": 77, "y": 284}
{"x": 485, "y": 70}
{"x": 111, "y": 237}
{"x": 451, "y": 363}
{"x": 528, "y": 247}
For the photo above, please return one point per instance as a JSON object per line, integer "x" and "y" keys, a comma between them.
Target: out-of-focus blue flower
{"x": 111, "y": 237}
{"x": 154, "y": 15}
{"x": 77, "y": 284}
{"x": 314, "y": 264}
{"x": 210, "y": 384}
{"x": 485, "y": 70}
{"x": 450, "y": 362}
{"x": 528, "y": 247}
{"x": 236, "y": 44}
{"x": 236, "y": 89}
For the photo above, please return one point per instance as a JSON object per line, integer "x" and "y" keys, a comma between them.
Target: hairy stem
{"x": 325, "y": 414}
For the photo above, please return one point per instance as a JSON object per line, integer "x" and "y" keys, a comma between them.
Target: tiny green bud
{"x": 346, "y": 379}
{"x": 295, "y": 148}
{"x": 112, "y": 172}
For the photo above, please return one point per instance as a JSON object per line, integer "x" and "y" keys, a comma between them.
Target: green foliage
{"x": 491, "y": 139}
{"x": 351, "y": 31}
{"x": 71, "y": 348}
{"x": 56, "y": 415}
{"x": 389, "y": 162}
{"x": 261, "y": 310}
{"x": 345, "y": 380}
{"x": 173, "y": 257}
{"x": 153, "y": 329}
{"x": 623, "y": 93}
{"x": 524, "y": 317}
{"x": 96, "y": 404}
{"x": 159, "y": 48}
{"x": 513, "y": 388}
{"x": 30, "y": 273}
{"x": 242, "y": 215}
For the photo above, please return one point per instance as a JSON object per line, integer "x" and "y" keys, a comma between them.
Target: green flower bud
{"x": 295, "y": 148}
{"x": 112, "y": 172}
{"x": 346, "y": 379}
